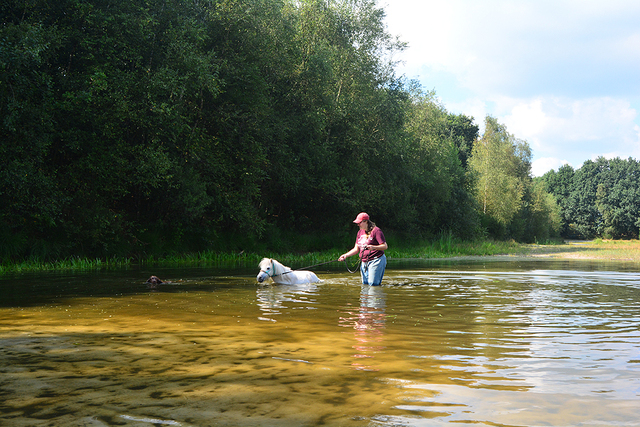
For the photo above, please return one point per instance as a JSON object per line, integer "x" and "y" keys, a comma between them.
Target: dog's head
{"x": 154, "y": 281}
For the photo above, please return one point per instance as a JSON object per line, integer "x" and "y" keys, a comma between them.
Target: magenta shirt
{"x": 375, "y": 238}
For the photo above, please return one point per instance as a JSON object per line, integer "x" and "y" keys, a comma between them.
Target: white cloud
{"x": 561, "y": 74}
{"x": 528, "y": 120}
{"x": 543, "y": 165}
{"x": 585, "y": 128}
{"x": 472, "y": 107}
{"x": 524, "y": 47}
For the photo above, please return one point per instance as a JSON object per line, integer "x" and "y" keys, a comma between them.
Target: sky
{"x": 564, "y": 75}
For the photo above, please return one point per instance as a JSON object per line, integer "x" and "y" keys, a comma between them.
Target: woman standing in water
{"x": 370, "y": 244}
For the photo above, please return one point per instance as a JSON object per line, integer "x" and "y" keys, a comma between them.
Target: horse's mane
{"x": 278, "y": 268}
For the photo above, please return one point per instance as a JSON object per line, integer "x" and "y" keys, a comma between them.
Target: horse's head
{"x": 267, "y": 268}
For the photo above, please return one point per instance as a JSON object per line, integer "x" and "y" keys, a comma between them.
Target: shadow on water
{"x": 31, "y": 289}
{"x": 511, "y": 343}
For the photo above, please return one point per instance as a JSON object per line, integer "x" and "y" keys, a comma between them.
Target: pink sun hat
{"x": 362, "y": 216}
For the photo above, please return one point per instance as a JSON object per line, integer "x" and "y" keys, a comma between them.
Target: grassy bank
{"x": 445, "y": 247}
{"x": 602, "y": 250}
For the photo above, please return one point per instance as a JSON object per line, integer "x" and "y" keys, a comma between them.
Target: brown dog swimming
{"x": 154, "y": 281}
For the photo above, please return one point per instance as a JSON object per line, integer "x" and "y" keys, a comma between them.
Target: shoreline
{"x": 592, "y": 250}
{"x": 576, "y": 250}
{"x": 595, "y": 250}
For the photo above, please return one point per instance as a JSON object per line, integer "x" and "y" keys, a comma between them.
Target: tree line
{"x": 133, "y": 128}
{"x": 600, "y": 199}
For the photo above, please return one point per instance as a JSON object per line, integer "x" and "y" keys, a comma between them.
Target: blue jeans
{"x": 372, "y": 271}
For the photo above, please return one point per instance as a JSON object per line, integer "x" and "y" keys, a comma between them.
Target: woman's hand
{"x": 348, "y": 254}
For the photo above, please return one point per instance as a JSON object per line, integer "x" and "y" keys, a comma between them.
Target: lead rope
{"x": 356, "y": 267}
{"x": 328, "y": 262}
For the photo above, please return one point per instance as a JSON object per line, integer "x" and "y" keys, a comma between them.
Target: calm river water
{"x": 489, "y": 343}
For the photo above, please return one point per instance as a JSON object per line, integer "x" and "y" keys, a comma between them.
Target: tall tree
{"x": 585, "y": 218}
{"x": 544, "y": 220}
{"x": 343, "y": 110}
{"x": 464, "y": 133}
{"x": 559, "y": 184}
{"x": 502, "y": 164}
{"x": 618, "y": 199}
{"x": 440, "y": 186}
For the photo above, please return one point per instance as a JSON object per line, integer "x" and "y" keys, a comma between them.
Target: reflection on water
{"x": 274, "y": 299}
{"x": 491, "y": 344}
{"x": 368, "y": 323}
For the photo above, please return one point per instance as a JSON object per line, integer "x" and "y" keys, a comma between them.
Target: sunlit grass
{"x": 614, "y": 250}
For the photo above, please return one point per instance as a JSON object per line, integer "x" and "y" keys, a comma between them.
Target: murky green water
{"x": 492, "y": 343}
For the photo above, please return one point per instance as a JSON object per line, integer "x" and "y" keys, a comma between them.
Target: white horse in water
{"x": 283, "y": 275}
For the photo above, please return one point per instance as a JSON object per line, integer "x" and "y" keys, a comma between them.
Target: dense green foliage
{"x": 512, "y": 204}
{"x": 601, "y": 199}
{"x": 140, "y": 128}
